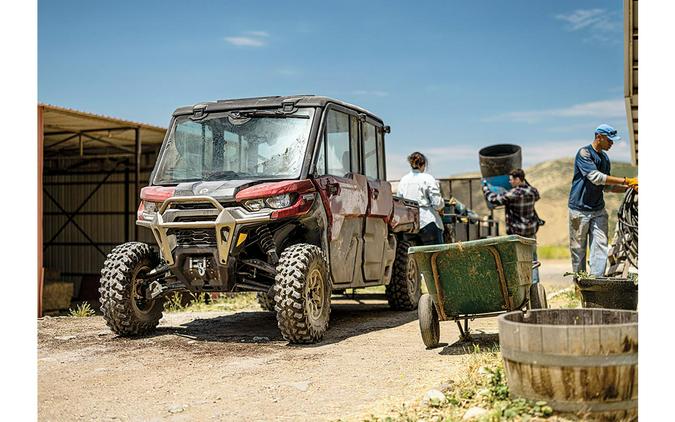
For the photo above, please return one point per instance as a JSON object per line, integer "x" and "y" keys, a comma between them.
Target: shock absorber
{"x": 267, "y": 243}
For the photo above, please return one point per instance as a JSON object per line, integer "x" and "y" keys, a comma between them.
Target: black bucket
{"x": 608, "y": 292}
{"x": 498, "y": 160}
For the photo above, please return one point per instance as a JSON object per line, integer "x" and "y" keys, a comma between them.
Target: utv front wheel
{"x": 302, "y": 294}
{"x": 404, "y": 290}
{"x": 125, "y": 308}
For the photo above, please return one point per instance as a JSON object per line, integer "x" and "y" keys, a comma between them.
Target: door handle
{"x": 333, "y": 189}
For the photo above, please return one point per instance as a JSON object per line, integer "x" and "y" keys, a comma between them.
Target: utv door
{"x": 345, "y": 194}
{"x": 380, "y": 248}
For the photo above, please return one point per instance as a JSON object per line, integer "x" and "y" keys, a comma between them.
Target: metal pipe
{"x": 95, "y": 244}
{"x": 112, "y": 144}
{"x": 126, "y": 205}
{"x": 52, "y": 146}
{"x": 107, "y": 129}
{"x": 93, "y": 213}
{"x": 40, "y": 165}
{"x": 137, "y": 179}
{"x": 84, "y": 157}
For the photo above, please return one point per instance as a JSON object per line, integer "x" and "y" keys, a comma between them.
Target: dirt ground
{"x": 236, "y": 366}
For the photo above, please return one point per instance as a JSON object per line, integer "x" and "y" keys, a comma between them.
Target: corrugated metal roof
{"x": 67, "y": 129}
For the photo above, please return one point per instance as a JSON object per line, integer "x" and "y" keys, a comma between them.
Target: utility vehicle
{"x": 283, "y": 196}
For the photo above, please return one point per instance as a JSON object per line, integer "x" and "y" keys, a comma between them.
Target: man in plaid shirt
{"x": 521, "y": 218}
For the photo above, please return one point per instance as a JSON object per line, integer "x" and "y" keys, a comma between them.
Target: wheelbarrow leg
{"x": 464, "y": 333}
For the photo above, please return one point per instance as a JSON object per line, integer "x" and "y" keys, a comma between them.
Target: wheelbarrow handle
{"x": 536, "y": 264}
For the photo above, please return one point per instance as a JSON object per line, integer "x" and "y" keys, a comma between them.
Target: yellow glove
{"x": 632, "y": 182}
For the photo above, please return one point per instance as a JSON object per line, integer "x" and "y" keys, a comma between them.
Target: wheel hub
{"x": 315, "y": 296}
{"x": 412, "y": 276}
{"x": 139, "y": 302}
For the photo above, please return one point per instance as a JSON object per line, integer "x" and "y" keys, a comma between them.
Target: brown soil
{"x": 236, "y": 366}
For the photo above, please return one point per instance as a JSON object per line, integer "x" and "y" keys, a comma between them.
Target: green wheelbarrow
{"x": 475, "y": 279}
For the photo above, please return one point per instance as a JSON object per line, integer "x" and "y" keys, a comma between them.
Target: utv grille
{"x": 192, "y": 206}
{"x": 195, "y": 237}
{"x": 195, "y": 218}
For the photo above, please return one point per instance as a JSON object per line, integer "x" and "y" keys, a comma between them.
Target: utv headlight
{"x": 254, "y": 204}
{"x": 147, "y": 210}
{"x": 150, "y": 207}
{"x": 279, "y": 201}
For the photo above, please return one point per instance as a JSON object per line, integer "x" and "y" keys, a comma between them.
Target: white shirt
{"x": 424, "y": 189}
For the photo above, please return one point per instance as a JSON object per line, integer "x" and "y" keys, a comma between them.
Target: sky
{"x": 449, "y": 77}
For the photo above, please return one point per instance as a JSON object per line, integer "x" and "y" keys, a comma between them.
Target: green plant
{"x": 570, "y": 299}
{"x": 483, "y": 385}
{"x": 82, "y": 310}
{"x": 174, "y": 303}
{"x": 201, "y": 302}
{"x": 580, "y": 275}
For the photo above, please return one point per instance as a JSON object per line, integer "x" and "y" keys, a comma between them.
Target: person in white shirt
{"x": 423, "y": 188}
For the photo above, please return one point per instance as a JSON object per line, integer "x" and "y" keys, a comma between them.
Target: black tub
{"x": 498, "y": 160}
{"x": 608, "y": 292}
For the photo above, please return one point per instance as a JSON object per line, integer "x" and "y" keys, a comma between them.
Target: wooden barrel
{"x": 582, "y": 361}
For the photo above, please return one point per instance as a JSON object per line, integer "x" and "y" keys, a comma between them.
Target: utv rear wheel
{"x": 404, "y": 290}
{"x": 302, "y": 294}
{"x": 266, "y": 300}
{"x": 125, "y": 308}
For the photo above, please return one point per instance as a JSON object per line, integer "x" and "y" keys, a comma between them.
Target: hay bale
{"x": 56, "y": 295}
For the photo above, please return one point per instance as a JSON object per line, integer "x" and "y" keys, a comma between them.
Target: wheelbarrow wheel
{"x": 538, "y": 296}
{"x": 429, "y": 324}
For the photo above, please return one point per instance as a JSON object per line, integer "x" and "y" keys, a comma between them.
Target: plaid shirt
{"x": 520, "y": 215}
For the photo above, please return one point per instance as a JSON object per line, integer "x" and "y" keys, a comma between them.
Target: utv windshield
{"x": 235, "y": 145}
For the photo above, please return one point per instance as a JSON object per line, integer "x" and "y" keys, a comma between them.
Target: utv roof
{"x": 270, "y": 102}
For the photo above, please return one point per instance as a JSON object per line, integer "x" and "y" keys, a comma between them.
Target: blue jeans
{"x": 588, "y": 226}
{"x": 535, "y": 272}
{"x": 431, "y": 235}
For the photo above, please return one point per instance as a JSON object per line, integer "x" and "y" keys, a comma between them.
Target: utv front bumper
{"x": 181, "y": 214}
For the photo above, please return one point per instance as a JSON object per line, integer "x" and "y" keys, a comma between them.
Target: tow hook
{"x": 155, "y": 289}
{"x": 156, "y": 273}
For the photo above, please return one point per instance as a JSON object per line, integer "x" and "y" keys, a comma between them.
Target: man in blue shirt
{"x": 588, "y": 219}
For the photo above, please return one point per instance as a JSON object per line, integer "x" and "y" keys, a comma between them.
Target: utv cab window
{"x": 380, "y": 153}
{"x": 224, "y": 146}
{"x": 370, "y": 151}
{"x": 337, "y": 151}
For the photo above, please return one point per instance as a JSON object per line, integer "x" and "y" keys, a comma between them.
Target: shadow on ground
{"x": 485, "y": 341}
{"x": 349, "y": 318}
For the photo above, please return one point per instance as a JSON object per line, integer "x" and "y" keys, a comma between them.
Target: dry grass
{"x": 483, "y": 385}
{"x": 199, "y": 303}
